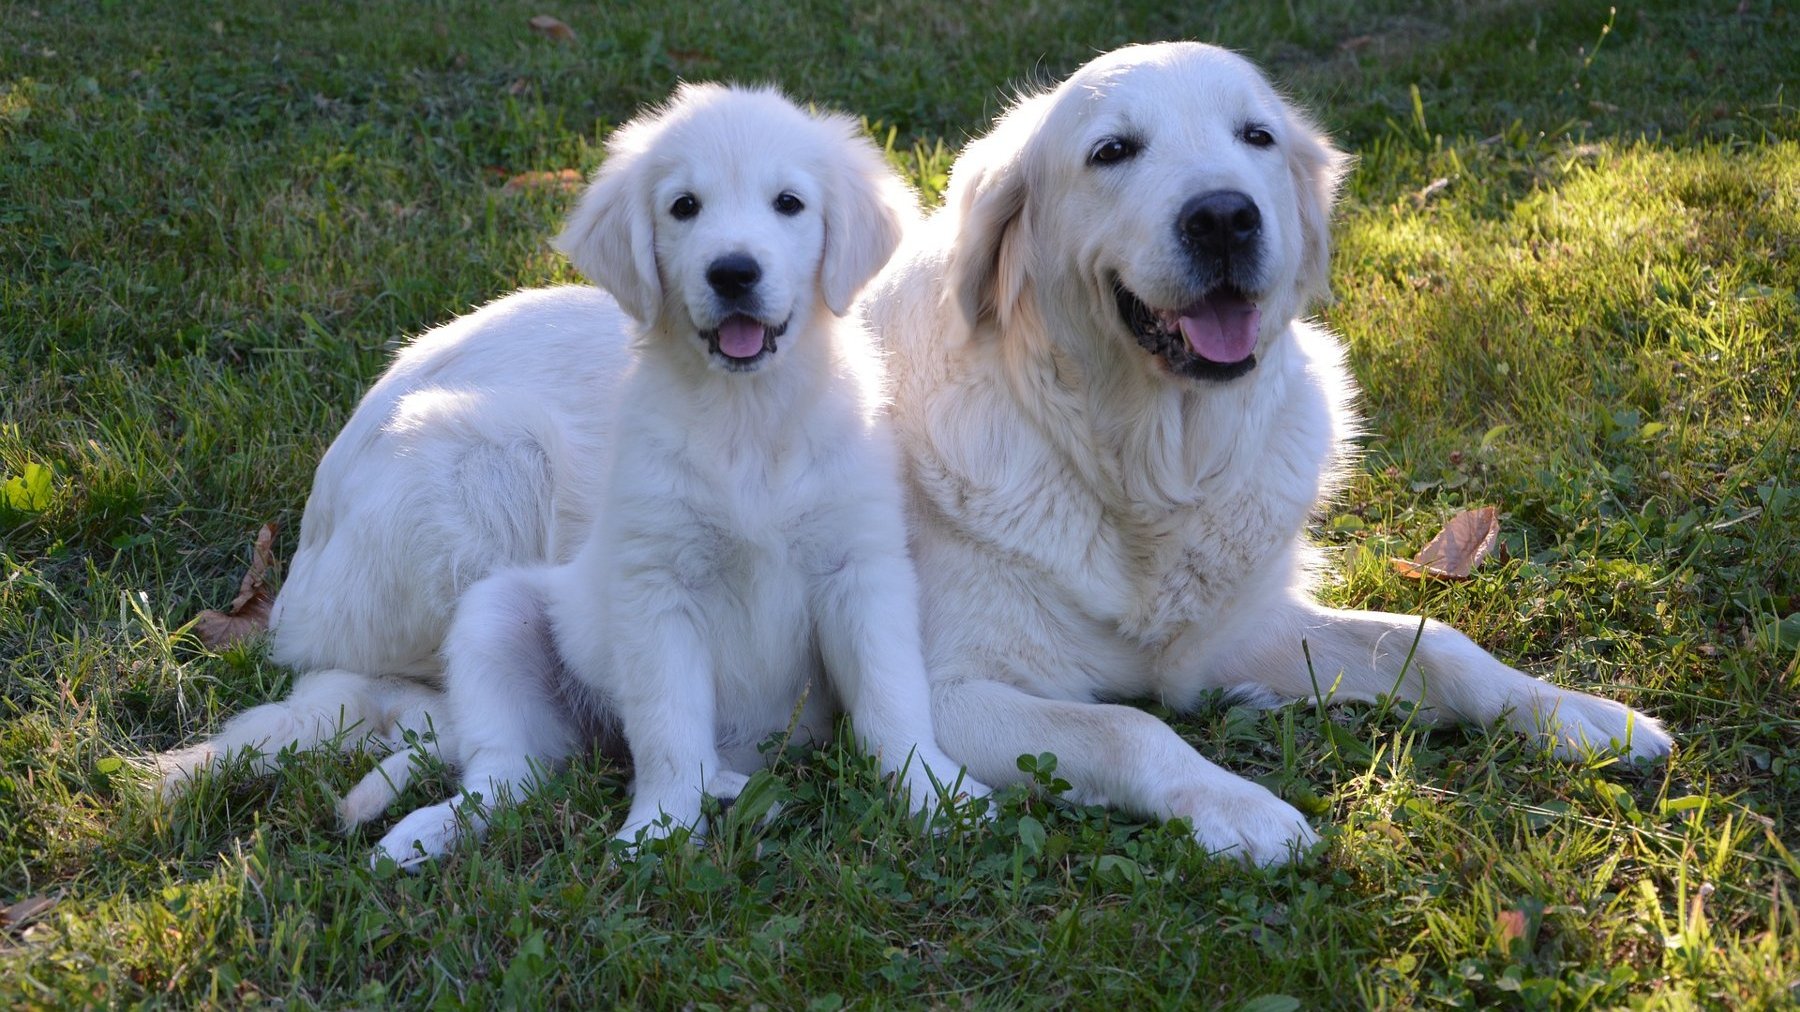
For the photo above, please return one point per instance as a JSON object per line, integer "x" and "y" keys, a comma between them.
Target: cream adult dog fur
{"x": 710, "y": 461}
{"x": 1116, "y": 427}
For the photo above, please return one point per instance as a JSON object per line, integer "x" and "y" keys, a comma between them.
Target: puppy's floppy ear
{"x": 988, "y": 189}
{"x": 867, "y": 210}
{"x": 610, "y": 236}
{"x": 1317, "y": 168}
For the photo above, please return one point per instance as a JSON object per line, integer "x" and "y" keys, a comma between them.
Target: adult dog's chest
{"x": 1192, "y": 563}
{"x": 1187, "y": 553}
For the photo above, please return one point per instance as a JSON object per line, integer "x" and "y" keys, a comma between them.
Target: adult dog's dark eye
{"x": 686, "y": 206}
{"x": 1256, "y": 137}
{"x": 1112, "y": 150}
{"x": 789, "y": 204}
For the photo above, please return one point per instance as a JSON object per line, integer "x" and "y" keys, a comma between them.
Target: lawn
{"x": 1568, "y": 270}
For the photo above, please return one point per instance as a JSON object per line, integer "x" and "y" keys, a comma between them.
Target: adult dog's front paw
{"x": 1579, "y": 724}
{"x": 1245, "y": 821}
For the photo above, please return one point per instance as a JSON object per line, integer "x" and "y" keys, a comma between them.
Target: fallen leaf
{"x": 560, "y": 179}
{"x": 1510, "y": 926}
{"x": 249, "y": 612}
{"x": 1431, "y": 190}
{"x": 551, "y": 28}
{"x": 1458, "y": 548}
{"x": 1357, "y": 42}
{"x": 25, "y": 910}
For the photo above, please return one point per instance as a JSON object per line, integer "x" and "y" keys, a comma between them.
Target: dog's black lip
{"x": 771, "y": 332}
{"x": 1170, "y": 347}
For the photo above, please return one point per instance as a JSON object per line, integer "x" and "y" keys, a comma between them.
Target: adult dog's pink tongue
{"x": 1221, "y": 328}
{"x": 740, "y": 337}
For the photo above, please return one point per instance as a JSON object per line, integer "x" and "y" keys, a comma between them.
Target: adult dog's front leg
{"x": 1118, "y": 755}
{"x": 869, "y": 639}
{"x": 1358, "y": 655}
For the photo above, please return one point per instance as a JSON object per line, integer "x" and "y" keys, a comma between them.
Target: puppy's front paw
{"x": 935, "y": 780}
{"x": 657, "y": 816}
{"x": 1245, "y": 821}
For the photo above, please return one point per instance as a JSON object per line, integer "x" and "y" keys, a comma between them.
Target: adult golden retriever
{"x": 1117, "y": 425}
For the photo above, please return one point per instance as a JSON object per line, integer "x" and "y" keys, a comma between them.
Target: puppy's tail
{"x": 341, "y": 709}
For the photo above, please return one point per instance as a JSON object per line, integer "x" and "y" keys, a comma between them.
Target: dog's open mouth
{"x": 742, "y": 342}
{"x": 1213, "y": 338}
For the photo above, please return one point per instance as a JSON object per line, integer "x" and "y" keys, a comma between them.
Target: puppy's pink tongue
{"x": 1221, "y": 328}
{"x": 740, "y": 337}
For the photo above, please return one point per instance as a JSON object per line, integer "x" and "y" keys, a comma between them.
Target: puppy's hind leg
{"x": 418, "y": 715}
{"x": 507, "y": 719}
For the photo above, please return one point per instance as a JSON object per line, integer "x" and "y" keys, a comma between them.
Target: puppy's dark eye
{"x": 685, "y": 206}
{"x": 789, "y": 204}
{"x": 1113, "y": 150}
{"x": 1256, "y": 136}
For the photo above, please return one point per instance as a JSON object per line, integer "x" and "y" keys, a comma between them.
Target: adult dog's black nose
{"x": 733, "y": 274}
{"x": 1221, "y": 222}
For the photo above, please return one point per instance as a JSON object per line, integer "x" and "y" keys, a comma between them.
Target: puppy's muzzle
{"x": 733, "y": 275}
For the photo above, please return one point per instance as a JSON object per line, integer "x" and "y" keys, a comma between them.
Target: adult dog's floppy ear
{"x": 1317, "y": 168}
{"x": 610, "y": 236}
{"x": 867, "y": 210}
{"x": 988, "y": 191}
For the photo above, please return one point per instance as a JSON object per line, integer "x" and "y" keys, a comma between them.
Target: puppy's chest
{"x": 752, "y": 545}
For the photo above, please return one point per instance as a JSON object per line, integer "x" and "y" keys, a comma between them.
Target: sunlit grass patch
{"x": 1567, "y": 265}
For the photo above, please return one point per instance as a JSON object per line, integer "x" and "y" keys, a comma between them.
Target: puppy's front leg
{"x": 660, "y": 680}
{"x": 869, "y": 638}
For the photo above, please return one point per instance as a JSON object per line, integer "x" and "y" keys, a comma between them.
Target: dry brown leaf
{"x": 24, "y": 910}
{"x": 551, "y": 28}
{"x": 249, "y": 612}
{"x": 561, "y": 179}
{"x": 1458, "y": 548}
{"x": 1510, "y": 926}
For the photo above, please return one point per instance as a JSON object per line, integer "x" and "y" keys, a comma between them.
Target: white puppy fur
{"x": 1116, "y": 428}
{"x": 691, "y": 516}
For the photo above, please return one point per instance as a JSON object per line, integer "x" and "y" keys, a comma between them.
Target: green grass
{"x": 217, "y": 220}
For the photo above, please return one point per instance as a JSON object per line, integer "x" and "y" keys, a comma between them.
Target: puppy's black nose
{"x": 733, "y": 274}
{"x": 1220, "y": 222}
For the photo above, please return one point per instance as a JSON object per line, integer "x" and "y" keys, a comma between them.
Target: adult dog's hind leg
{"x": 322, "y": 706}
{"x": 1116, "y": 754}
{"x": 1358, "y": 655}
